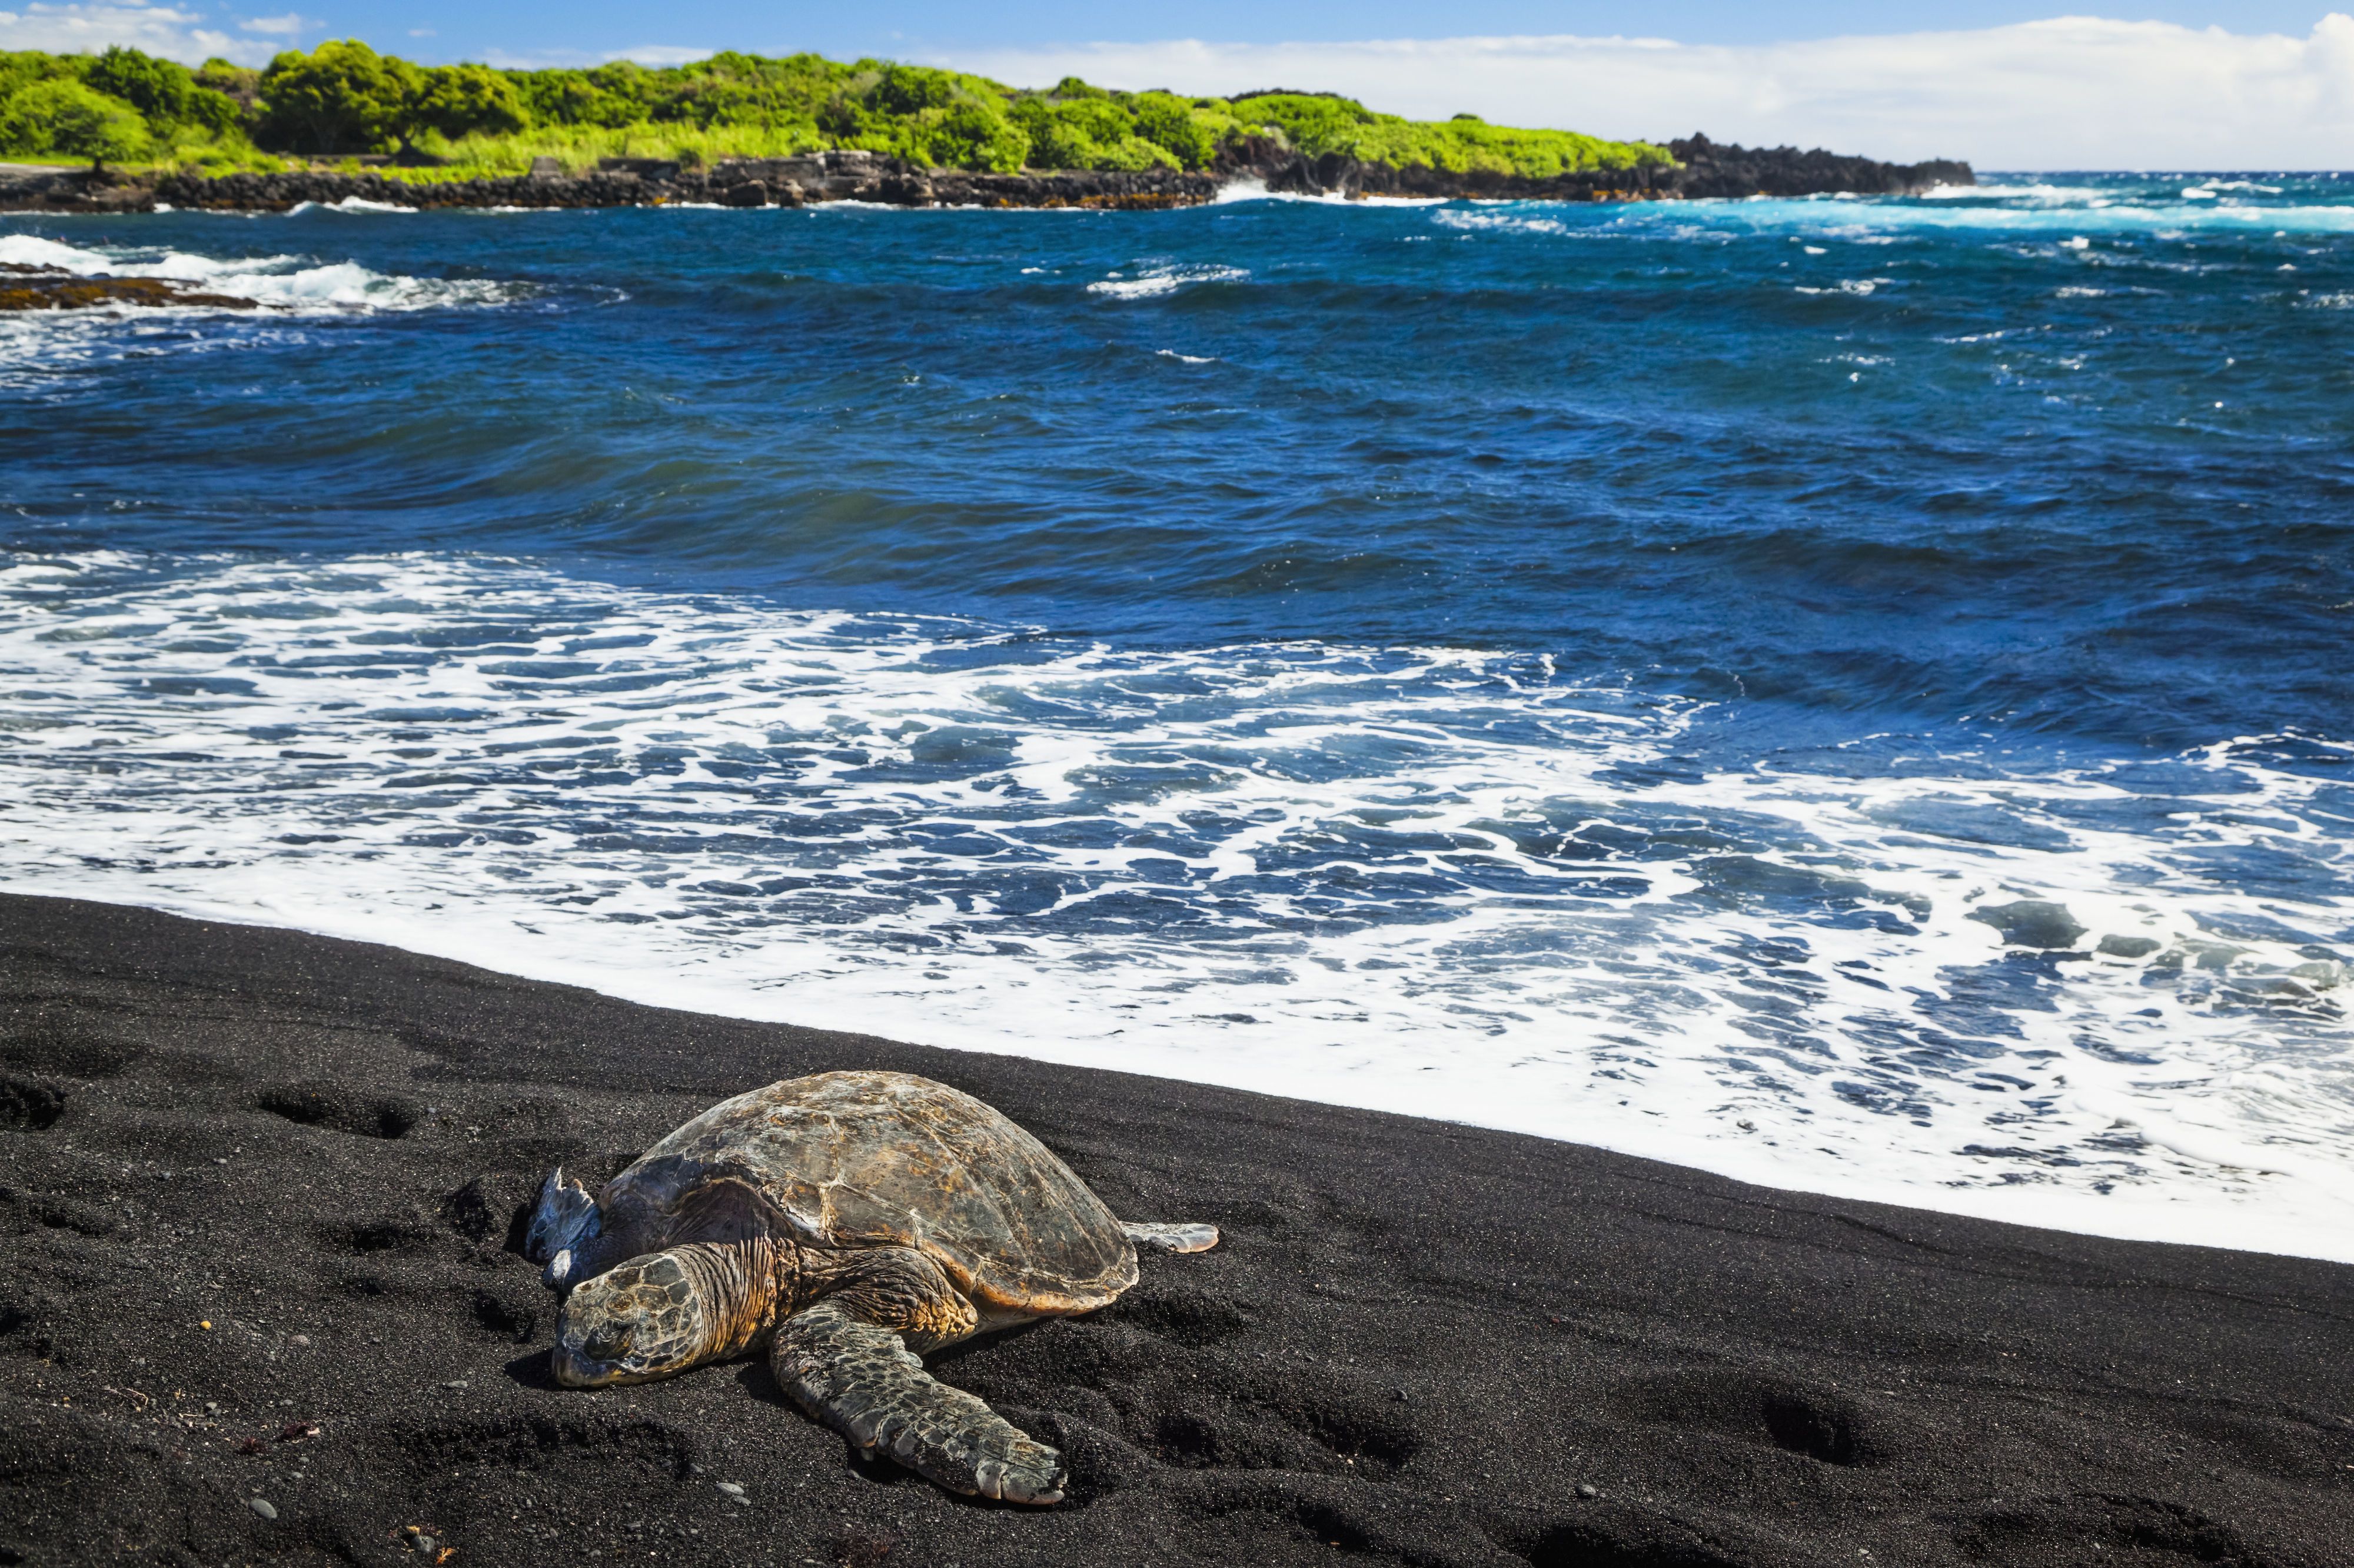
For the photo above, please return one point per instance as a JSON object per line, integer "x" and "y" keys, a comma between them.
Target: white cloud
{"x": 163, "y": 30}
{"x": 2071, "y": 92}
{"x": 644, "y": 54}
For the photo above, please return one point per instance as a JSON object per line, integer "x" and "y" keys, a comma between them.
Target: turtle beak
{"x": 574, "y": 1370}
{"x": 590, "y": 1360}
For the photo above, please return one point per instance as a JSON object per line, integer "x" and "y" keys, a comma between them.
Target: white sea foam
{"x": 1491, "y": 220}
{"x": 1431, "y": 881}
{"x": 2074, "y": 214}
{"x": 1255, "y": 190}
{"x": 348, "y": 203}
{"x": 37, "y": 344}
{"x": 293, "y": 281}
{"x": 1163, "y": 278}
{"x": 2039, "y": 191}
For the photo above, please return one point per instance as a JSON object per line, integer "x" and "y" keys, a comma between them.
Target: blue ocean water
{"x": 1852, "y": 693}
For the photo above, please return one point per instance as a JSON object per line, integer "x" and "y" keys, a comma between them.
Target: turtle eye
{"x": 608, "y": 1343}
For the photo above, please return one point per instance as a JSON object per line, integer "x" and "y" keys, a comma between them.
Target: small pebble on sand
{"x": 300, "y": 1341}
{"x": 730, "y": 1488}
{"x": 263, "y": 1506}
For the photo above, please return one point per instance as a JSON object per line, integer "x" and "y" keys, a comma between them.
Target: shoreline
{"x": 1704, "y": 170}
{"x": 2296, "y": 1223}
{"x": 1421, "y": 1342}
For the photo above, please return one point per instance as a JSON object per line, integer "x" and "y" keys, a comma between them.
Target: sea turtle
{"x": 846, "y": 1224}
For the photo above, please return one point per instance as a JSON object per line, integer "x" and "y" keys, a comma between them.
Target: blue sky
{"x": 2006, "y": 84}
{"x": 466, "y": 31}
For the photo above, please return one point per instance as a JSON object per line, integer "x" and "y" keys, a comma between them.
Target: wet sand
{"x": 260, "y": 1302}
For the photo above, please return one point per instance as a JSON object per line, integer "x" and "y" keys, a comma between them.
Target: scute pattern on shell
{"x": 891, "y": 1160}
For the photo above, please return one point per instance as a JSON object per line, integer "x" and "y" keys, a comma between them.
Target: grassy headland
{"x": 343, "y": 101}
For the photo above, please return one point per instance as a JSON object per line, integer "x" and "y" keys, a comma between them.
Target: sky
{"x": 2006, "y": 84}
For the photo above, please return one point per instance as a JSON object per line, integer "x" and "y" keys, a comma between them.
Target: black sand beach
{"x": 260, "y": 1303}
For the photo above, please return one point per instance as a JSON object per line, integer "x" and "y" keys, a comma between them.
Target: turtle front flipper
{"x": 847, "y": 1361}
{"x": 564, "y": 1220}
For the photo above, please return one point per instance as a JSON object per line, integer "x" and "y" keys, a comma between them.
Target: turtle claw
{"x": 1030, "y": 1473}
{"x": 1172, "y": 1238}
{"x": 567, "y": 1217}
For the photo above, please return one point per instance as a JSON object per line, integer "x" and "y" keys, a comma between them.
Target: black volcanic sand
{"x": 1420, "y": 1343}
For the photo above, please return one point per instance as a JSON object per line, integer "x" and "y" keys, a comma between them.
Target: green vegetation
{"x": 343, "y": 100}
{"x": 69, "y": 117}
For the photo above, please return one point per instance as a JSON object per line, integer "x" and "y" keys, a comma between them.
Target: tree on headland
{"x": 341, "y": 96}
{"x": 344, "y": 97}
{"x": 61, "y": 115}
{"x": 165, "y": 92}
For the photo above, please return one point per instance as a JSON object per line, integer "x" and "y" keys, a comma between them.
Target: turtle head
{"x": 565, "y": 1222}
{"x": 646, "y": 1319}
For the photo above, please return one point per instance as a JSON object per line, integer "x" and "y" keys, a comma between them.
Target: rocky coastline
{"x": 1704, "y": 169}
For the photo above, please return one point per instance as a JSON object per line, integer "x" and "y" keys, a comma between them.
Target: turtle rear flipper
{"x": 861, "y": 1379}
{"x": 1172, "y": 1237}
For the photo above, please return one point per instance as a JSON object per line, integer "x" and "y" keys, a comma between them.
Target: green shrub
{"x": 1070, "y": 135}
{"x": 610, "y": 96}
{"x": 1169, "y": 122}
{"x": 1313, "y": 124}
{"x": 910, "y": 90}
{"x": 159, "y": 90}
{"x": 968, "y": 135}
{"x": 458, "y": 100}
{"x": 241, "y": 85}
{"x": 1133, "y": 155}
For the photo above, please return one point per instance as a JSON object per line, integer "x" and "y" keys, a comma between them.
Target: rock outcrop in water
{"x": 1704, "y": 168}
{"x": 47, "y": 289}
{"x": 1713, "y": 169}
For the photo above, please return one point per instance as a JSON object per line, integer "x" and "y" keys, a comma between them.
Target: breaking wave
{"x": 1423, "y": 879}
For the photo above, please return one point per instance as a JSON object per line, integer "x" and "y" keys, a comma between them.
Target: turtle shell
{"x": 886, "y": 1160}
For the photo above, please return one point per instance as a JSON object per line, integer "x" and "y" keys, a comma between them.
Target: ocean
{"x": 1849, "y": 693}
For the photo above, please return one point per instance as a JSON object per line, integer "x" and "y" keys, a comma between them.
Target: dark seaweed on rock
{"x": 43, "y": 288}
{"x": 1420, "y": 1343}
